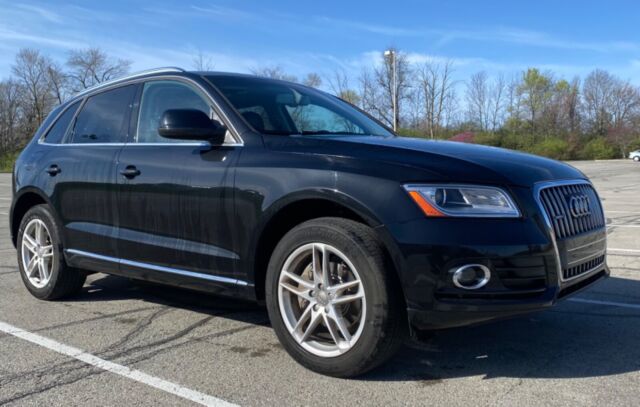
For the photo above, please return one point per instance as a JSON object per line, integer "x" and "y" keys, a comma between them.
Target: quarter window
{"x": 160, "y": 96}
{"x": 59, "y": 129}
{"x": 103, "y": 118}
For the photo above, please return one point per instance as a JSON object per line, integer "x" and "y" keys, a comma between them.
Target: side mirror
{"x": 191, "y": 124}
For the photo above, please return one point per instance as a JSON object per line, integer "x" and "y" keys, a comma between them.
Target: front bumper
{"x": 523, "y": 255}
{"x": 448, "y": 314}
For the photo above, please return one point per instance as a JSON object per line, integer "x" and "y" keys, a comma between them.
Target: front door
{"x": 175, "y": 197}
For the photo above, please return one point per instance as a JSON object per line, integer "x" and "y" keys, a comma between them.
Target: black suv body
{"x": 129, "y": 178}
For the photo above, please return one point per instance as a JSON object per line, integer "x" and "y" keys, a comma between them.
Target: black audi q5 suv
{"x": 278, "y": 193}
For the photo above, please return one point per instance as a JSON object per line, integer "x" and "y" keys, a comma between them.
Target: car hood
{"x": 457, "y": 162}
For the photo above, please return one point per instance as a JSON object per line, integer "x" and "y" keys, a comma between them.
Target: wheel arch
{"x": 293, "y": 210}
{"x": 25, "y": 200}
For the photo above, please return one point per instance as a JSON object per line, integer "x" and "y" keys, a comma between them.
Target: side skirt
{"x": 208, "y": 283}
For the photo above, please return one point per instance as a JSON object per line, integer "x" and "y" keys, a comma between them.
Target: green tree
{"x": 598, "y": 149}
{"x": 536, "y": 90}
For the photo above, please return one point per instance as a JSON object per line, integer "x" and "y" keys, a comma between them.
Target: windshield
{"x": 272, "y": 107}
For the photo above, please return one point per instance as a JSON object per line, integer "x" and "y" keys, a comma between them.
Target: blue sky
{"x": 567, "y": 37}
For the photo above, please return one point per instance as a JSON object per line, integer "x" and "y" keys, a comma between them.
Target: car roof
{"x": 150, "y": 73}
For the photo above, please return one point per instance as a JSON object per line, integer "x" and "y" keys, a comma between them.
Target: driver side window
{"x": 159, "y": 96}
{"x": 314, "y": 118}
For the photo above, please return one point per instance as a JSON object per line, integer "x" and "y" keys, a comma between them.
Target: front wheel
{"x": 332, "y": 301}
{"x": 636, "y": 158}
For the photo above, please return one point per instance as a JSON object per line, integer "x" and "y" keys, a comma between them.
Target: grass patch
{"x": 7, "y": 160}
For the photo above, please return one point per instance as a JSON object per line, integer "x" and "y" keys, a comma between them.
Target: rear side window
{"x": 103, "y": 118}
{"x": 59, "y": 129}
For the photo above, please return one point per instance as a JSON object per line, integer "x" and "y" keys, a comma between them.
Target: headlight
{"x": 463, "y": 201}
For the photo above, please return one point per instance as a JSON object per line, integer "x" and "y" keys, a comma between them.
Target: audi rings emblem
{"x": 579, "y": 206}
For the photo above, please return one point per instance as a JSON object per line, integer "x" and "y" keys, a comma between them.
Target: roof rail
{"x": 168, "y": 69}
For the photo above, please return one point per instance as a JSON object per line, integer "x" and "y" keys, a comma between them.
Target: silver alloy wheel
{"x": 321, "y": 299}
{"x": 37, "y": 253}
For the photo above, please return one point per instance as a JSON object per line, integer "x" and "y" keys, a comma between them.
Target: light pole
{"x": 392, "y": 54}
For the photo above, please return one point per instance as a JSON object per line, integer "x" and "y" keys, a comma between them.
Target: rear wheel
{"x": 331, "y": 302}
{"x": 636, "y": 158}
{"x": 40, "y": 258}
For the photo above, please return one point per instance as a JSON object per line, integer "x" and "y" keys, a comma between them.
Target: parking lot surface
{"x": 151, "y": 345}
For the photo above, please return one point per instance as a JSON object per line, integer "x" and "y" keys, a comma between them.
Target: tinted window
{"x": 275, "y": 107}
{"x": 159, "y": 96}
{"x": 103, "y": 117}
{"x": 312, "y": 118}
{"x": 58, "y": 131}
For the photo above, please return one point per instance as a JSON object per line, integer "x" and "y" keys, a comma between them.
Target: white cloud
{"x": 492, "y": 34}
{"x": 224, "y": 12}
{"x": 32, "y": 40}
{"x": 58, "y": 29}
{"x": 45, "y": 14}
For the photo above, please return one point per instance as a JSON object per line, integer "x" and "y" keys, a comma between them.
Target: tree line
{"x": 536, "y": 111}
{"x": 38, "y": 83}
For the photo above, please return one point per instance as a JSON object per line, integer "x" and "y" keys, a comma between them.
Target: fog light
{"x": 471, "y": 276}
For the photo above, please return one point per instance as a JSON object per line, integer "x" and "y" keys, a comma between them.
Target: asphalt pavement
{"x": 122, "y": 343}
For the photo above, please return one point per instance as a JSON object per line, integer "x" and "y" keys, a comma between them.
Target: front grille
{"x": 572, "y": 209}
{"x": 580, "y": 269}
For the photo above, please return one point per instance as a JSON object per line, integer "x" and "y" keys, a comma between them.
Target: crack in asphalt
{"x": 70, "y": 372}
{"x": 93, "y": 319}
{"x": 137, "y": 329}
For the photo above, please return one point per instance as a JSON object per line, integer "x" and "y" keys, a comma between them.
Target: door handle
{"x": 53, "y": 170}
{"x": 130, "y": 172}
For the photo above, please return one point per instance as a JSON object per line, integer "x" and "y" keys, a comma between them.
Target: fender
{"x": 18, "y": 198}
{"x": 256, "y": 264}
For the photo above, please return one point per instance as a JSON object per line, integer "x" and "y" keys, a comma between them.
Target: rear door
{"x": 86, "y": 181}
{"x": 176, "y": 197}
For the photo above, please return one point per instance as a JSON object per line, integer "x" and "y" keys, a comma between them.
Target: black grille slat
{"x": 571, "y": 230}
{"x": 571, "y": 190}
{"x": 585, "y": 267}
{"x": 555, "y": 201}
{"x": 592, "y": 197}
{"x": 555, "y": 214}
{"x": 582, "y": 221}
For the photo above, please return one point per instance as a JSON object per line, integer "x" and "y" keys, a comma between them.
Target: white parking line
{"x": 632, "y": 212}
{"x": 617, "y": 225}
{"x": 623, "y": 250}
{"x": 597, "y": 302}
{"x": 124, "y": 371}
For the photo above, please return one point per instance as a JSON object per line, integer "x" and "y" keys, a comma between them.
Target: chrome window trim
{"x": 120, "y": 144}
{"x": 185, "y": 273}
{"x": 536, "y": 193}
{"x": 125, "y": 78}
{"x": 235, "y": 134}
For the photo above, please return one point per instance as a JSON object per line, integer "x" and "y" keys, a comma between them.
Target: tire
{"x": 636, "y": 158}
{"x": 381, "y": 327}
{"x": 60, "y": 280}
